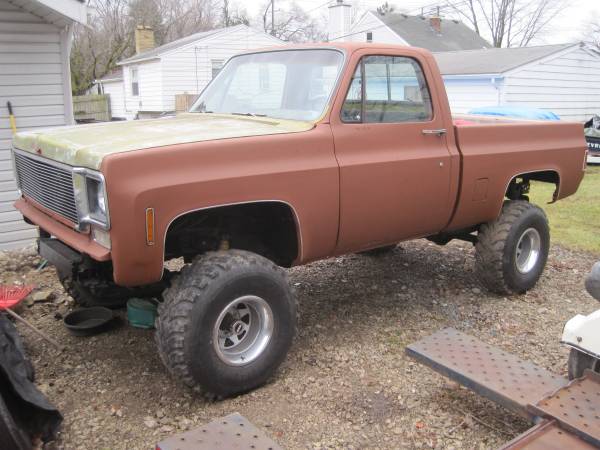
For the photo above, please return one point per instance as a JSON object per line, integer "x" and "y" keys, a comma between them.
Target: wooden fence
{"x": 87, "y": 108}
{"x": 183, "y": 102}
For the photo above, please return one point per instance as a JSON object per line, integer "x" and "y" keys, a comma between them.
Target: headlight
{"x": 90, "y": 198}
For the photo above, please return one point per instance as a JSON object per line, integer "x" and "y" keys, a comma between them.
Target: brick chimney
{"x": 144, "y": 38}
{"x": 436, "y": 24}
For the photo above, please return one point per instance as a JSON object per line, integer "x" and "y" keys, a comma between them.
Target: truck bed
{"x": 494, "y": 150}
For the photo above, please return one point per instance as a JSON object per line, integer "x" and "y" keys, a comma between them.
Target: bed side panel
{"x": 493, "y": 154}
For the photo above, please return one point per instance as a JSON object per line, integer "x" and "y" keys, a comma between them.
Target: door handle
{"x": 438, "y": 132}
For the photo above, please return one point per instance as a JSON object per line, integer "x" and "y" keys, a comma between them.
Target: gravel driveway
{"x": 346, "y": 383}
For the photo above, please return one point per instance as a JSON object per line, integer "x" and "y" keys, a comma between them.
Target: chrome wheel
{"x": 528, "y": 250}
{"x": 243, "y": 330}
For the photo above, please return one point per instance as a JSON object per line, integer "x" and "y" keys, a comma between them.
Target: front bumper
{"x": 83, "y": 243}
{"x": 593, "y": 158}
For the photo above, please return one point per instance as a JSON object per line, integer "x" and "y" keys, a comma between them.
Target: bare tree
{"x": 233, "y": 15}
{"x": 292, "y": 23}
{"x": 508, "y": 23}
{"x": 98, "y": 47}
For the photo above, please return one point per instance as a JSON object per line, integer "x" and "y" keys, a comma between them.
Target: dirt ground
{"x": 346, "y": 383}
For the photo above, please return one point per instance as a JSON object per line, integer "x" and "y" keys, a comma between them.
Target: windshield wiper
{"x": 249, "y": 114}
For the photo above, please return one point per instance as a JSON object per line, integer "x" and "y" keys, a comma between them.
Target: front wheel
{"x": 227, "y": 322}
{"x": 511, "y": 251}
{"x": 579, "y": 362}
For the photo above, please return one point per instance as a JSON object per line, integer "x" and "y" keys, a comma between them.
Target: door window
{"x": 394, "y": 91}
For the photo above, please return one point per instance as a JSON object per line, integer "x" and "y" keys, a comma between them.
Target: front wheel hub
{"x": 243, "y": 330}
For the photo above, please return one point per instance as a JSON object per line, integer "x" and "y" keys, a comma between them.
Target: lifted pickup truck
{"x": 289, "y": 155}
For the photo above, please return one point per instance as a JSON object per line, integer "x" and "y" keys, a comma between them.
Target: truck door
{"x": 390, "y": 143}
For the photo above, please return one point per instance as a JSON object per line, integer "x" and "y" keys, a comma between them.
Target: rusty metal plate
{"x": 547, "y": 436}
{"x": 576, "y": 407}
{"x": 487, "y": 370}
{"x": 232, "y": 432}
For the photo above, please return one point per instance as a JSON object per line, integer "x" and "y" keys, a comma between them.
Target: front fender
{"x": 583, "y": 333}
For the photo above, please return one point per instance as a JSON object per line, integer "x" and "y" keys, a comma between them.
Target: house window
{"x": 135, "y": 85}
{"x": 370, "y": 36}
{"x": 387, "y": 89}
{"x": 216, "y": 66}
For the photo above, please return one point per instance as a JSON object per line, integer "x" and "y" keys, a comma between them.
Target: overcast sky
{"x": 568, "y": 27}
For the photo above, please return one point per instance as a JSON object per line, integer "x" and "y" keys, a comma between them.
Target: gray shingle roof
{"x": 492, "y": 60}
{"x": 417, "y": 31}
{"x": 157, "y": 51}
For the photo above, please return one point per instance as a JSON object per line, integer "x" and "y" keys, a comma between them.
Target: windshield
{"x": 289, "y": 84}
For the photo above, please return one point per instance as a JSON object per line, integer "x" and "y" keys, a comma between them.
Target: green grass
{"x": 575, "y": 220}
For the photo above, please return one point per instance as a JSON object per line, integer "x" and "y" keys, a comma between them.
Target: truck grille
{"x": 48, "y": 184}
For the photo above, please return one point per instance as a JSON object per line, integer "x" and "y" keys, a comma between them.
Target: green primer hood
{"x": 87, "y": 145}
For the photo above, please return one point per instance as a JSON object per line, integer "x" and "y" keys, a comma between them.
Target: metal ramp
{"x": 567, "y": 414}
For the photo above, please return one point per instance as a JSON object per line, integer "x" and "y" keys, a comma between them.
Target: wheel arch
{"x": 264, "y": 205}
{"x": 543, "y": 175}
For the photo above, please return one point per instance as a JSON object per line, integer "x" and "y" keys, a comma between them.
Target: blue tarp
{"x": 515, "y": 111}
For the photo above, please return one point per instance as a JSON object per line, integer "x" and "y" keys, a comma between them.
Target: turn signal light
{"x": 150, "y": 226}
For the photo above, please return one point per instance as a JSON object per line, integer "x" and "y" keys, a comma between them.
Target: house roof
{"x": 57, "y": 12}
{"x": 157, "y": 52}
{"x": 113, "y": 75}
{"x": 493, "y": 60}
{"x": 417, "y": 31}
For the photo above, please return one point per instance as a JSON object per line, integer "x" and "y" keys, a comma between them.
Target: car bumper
{"x": 593, "y": 158}
{"x": 81, "y": 242}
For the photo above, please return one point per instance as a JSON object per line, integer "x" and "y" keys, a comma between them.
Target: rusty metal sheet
{"x": 487, "y": 370}
{"x": 233, "y": 432}
{"x": 576, "y": 407}
{"x": 547, "y": 436}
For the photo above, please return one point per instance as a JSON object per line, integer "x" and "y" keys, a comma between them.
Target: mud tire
{"x": 495, "y": 257}
{"x": 187, "y": 317}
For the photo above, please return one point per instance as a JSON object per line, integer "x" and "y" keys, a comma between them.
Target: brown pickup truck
{"x": 290, "y": 155}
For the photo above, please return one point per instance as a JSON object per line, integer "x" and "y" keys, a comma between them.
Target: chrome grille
{"x": 50, "y": 185}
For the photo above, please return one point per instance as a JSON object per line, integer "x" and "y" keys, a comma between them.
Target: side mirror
{"x": 592, "y": 281}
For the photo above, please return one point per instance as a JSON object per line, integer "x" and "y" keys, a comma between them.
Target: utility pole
{"x": 273, "y": 17}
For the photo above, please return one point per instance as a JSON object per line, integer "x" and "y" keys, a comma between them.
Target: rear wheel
{"x": 227, "y": 322}
{"x": 579, "y": 362}
{"x": 511, "y": 251}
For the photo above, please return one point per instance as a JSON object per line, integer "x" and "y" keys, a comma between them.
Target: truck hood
{"x": 87, "y": 145}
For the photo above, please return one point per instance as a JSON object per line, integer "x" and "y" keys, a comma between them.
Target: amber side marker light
{"x": 150, "y": 226}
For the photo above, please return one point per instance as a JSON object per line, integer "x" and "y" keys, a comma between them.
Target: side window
{"x": 395, "y": 91}
{"x": 352, "y": 108}
{"x": 135, "y": 85}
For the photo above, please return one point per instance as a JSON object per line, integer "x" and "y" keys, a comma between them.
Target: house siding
{"x": 189, "y": 69}
{"x": 568, "y": 85}
{"x": 33, "y": 55}
{"x": 381, "y": 32}
{"x": 115, "y": 89}
{"x": 150, "y": 88}
{"x": 466, "y": 94}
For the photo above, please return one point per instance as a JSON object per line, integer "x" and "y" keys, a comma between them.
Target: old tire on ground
{"x": 511, "y": 251}
{"x": 227, "y": 322}
{"x": 579, "y": 362}
{"x": 379, "y": 251}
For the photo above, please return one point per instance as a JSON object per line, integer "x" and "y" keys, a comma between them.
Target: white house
{"x": 112, "y": 85}
{"x": 35, "y": 40}
{"x": 564, "y": 79}
{"x": 153, "y": 77}
{"x": 433, "y": 33}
